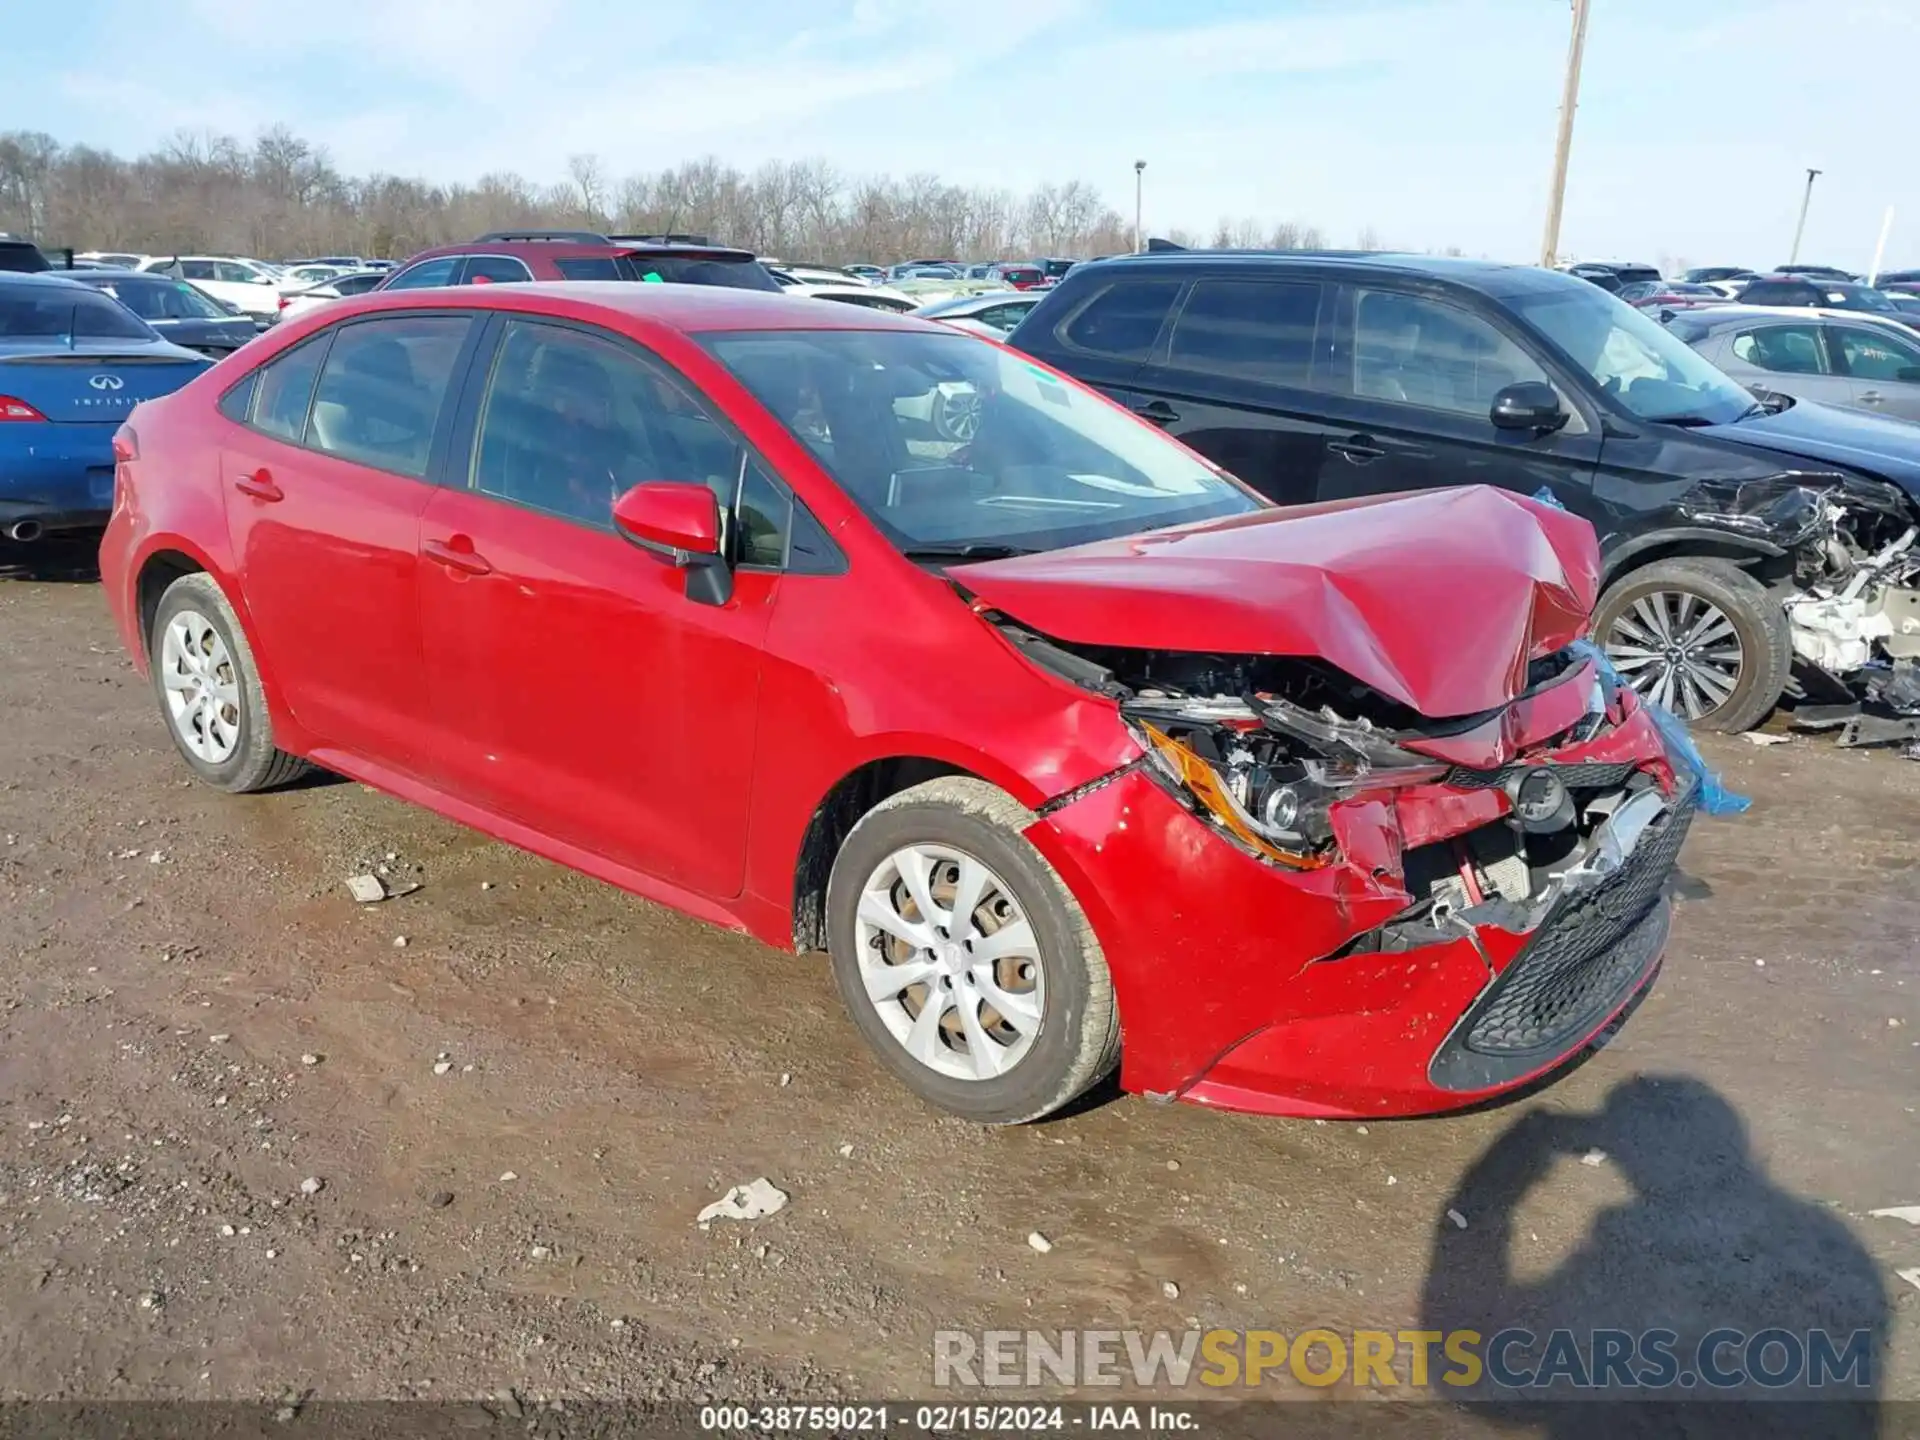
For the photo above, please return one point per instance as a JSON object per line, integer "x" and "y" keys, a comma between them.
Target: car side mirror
{"x": 679, "y": 521}
{"x": 1908, "y": 374}
{"x": 1530, "y": 405}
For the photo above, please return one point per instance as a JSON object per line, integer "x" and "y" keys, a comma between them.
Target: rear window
{"x": 742, "y": 274}
{"x": 1020, "y": 275}
{"x": 68, "y": 311}
{"x": 21, "y": 255}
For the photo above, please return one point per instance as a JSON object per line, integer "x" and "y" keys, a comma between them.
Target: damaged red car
{"x": 860, "y": 634}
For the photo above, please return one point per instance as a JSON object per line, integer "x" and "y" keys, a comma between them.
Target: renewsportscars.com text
{"x": 1514, "y": 1359}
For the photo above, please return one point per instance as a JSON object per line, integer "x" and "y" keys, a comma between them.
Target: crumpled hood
{"x": 1436, "y": 599}
{"x": 1871, "y": 443}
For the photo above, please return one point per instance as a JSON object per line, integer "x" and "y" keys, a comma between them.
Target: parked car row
{"x": 1322, "y": 377}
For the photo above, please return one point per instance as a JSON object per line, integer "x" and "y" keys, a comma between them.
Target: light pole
{"x": 1563, "y": 142}
{"x": 1806, "y": 199}
{"x": 1139, "y": 181}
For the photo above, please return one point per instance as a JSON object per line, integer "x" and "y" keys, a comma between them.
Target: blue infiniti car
{"x": 73, "y": 364}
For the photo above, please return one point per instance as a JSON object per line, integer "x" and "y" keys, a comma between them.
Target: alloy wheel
{"x": 949, "y": 961}
{"x": 956, "y": 412}
{"x": 1679, "y": 650}
{"x": 202, "y": 687}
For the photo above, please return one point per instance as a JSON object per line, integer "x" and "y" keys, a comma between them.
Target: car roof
{"x": 1719, "y": 317}
{"x": 36, "y": 277}
{"x": 692, "y": 309}
{"x": 1488, "y": 276}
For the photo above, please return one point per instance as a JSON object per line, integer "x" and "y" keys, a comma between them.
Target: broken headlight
{"x": 1269, "y": 781}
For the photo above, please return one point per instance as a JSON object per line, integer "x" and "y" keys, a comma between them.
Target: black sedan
{"x": 181, "y": 313}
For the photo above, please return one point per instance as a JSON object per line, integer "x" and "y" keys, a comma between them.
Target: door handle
{"x": 1872, "y": 397}
{"x": 260, "y": 486}
{"x": 456, "y": 553}
{"x": 1358, "y": 449}
{"x": 1158, "y": 411}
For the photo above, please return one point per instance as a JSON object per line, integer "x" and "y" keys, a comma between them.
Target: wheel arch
{"x": 1691, "y": 543}
{"x": 169, "y": 558}
{"x": 845, "y": 802}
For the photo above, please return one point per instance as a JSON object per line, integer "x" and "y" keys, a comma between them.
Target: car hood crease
{"x": 1438, "y": 600}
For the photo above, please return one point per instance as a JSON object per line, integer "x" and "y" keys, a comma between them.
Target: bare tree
{"x": 590, "y": 187}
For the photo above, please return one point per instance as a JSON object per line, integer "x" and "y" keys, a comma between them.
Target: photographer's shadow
{"x": 1705, "y": 1242}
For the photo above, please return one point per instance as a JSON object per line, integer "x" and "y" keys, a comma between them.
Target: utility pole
{"x": 1139, "y": 174}
{"x": 1569, "y": 98}
{"x": 1801, "y": 229}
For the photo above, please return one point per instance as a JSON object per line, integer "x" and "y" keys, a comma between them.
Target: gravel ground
{"x": 253, "y": 1147}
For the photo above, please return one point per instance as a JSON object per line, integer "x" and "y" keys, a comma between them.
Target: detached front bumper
{"x": 1320, "y": 993}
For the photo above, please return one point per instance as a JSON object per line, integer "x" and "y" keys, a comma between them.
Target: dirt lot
{"x": 515, "y": 1116}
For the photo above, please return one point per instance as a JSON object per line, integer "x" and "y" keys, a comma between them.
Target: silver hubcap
{"x": 202, "y": 687}
{"x": 957, "y": 413}
{"x": 949, "y": 962}
{"x": 1678, "y": 650}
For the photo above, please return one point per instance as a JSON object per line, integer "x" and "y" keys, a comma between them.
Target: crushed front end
{"x": 1316, "y": 901}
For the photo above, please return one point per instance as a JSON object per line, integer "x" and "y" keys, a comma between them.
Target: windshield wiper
{"x": 975, "y": 550}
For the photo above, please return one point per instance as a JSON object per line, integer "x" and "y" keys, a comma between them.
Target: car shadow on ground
{"x": 1703, "y": 1240}
{"x": 76, "y": 560}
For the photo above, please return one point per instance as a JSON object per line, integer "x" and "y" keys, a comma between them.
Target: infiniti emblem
{"x": 106, "y": 382}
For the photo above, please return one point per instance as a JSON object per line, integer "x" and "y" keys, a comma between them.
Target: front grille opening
{"x": 1583, "y": 960}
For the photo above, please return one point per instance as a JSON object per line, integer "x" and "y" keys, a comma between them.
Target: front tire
{"x": 1699, "y": 636}
{"x": 963, "y": 958}
{"x": 209, "y": 691}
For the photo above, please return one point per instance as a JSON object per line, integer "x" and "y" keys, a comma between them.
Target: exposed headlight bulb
{"x": 1281, "y": 809}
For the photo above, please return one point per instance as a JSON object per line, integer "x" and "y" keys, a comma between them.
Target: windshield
{"x": 164, "y": 300}
{"x": 1631, "y": 357}
{"x": 742, "y": 274}
{"x": 72, "y": 314}
{"x": 950, "y": 443}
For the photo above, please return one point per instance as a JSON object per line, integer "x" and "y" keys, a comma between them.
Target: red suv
{"x": 510, "y": 256}
{"x": 1072, "y": 751}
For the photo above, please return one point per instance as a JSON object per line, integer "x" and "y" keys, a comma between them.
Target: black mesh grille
{"x": 1574, "y": 777}
{"x": 1581, "y": 962}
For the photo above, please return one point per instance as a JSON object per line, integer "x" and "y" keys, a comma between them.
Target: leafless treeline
{"x": 282, "y": 197}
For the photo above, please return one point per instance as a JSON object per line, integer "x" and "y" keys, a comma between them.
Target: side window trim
{"x": 1323, "y": 319}
{"x": 466, "y": 264}
{"x": 324, "y": 343}
{"x": 438, "y": 446}
{"x": 462, "y": 458}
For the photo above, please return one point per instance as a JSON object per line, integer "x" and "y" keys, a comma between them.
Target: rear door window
{"x": 1123, "y": 320}
{"x": 380, "y": 393}
{"x": 588, "y": 267}
{"x": 1783, "y": 349}
{"x": 1251, "y": 329}
{"x": 1413, "y": 350}
{"x": 495, "y": 270}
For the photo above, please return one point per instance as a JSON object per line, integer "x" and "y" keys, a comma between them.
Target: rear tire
{"x": 1022, "y": 1027}
{"x": 1656, "y": 625}
{"x": 208, "y": 687}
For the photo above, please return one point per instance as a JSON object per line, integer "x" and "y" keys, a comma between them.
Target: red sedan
{"x": 861, "y": 634}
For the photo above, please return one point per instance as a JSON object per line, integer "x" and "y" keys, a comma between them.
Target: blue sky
{"x": 1428, "y": 121}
